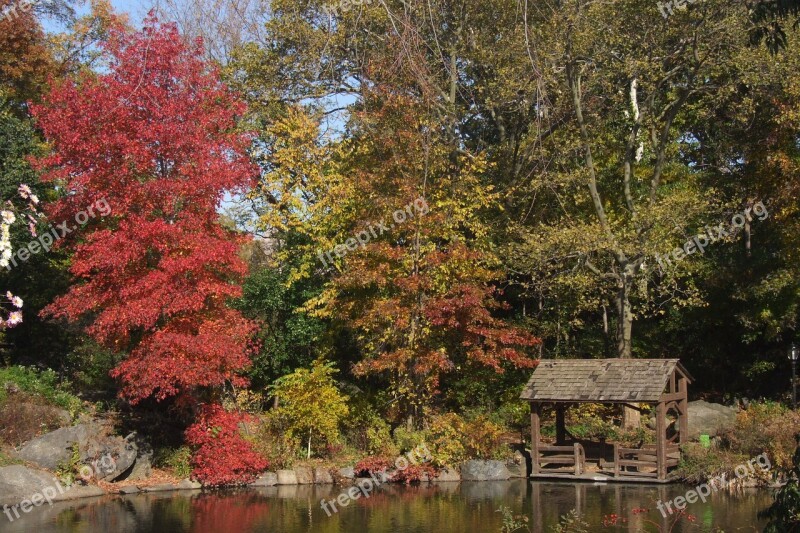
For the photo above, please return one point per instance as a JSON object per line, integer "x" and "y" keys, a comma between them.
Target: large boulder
{"x": 322, "y": 476}
{"x": 709, "y": 418}
{"x": 109, "y": 456}
{"x": 19, "y": 484}
{"x": 484, "y": 471}
{"x": 447, "y": 475}
{"x": 287, "y": 477}
{"x": 267, "y": 479}
{"x": 305, "y": 475}
{"x": 55, "y": 448}
{"x": 102, "y": 455}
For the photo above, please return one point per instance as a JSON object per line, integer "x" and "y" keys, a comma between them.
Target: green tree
{"x": 311, "y": 404}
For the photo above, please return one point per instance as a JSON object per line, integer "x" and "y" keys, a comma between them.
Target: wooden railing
{"x": 641, "y": 459}
{"x": 573, "y": 456}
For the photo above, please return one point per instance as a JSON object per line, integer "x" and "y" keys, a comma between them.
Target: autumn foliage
{"x": 222, "y": 456}
{"x": 154, "y": 136}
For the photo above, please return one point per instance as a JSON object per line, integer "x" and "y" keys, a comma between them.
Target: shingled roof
{"x": 601, "y": 380}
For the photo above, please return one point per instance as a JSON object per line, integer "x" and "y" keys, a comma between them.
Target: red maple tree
{"x": 154, "y": 137}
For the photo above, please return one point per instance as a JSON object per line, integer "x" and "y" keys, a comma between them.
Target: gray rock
{"x": 109, "y": 456}
{"x": 322, "y": 476}
{"x": 347, "y": 473}
{"x": 267, "y": 479}
{"x": 19, "y": 483}
{"x": 305, "y": 476}
{"x": 447, "y": 475}
{"x": 129, "y": 490}
{"x": 188, "y": 484}
{"x": 517, "y": 466}
{"x": 143, "y": 467}
{"x": 709, "y": 418}
{"x": 54, "y": 448}
{"x": 484, "y": 471}
{"x": 287, "y": 477}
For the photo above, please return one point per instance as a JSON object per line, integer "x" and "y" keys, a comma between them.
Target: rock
{"x": 160, "y": 488}
{"x": 55, "y": 448}
{"x": 347, "y": 473}
{"x": 188, "y": 484}
{"x": 267, "y": 479}
{"x": 19, "y": 483}
{"x": 709, "y": 418}
{"x": 517, "y": 465}
{"x": 129, "y": 490}
{"x": 322, "y": 476}
{"x": 447, "y": 475}
{"x": 305, "y": 476}
{"x": 484, "y": 471}
{"x": 110, "y": 456}
{"x": 287, "y": 477}
{"x": 143, "y": 467}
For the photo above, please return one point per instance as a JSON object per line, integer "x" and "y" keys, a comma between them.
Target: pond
{"x": 442, "y": 508}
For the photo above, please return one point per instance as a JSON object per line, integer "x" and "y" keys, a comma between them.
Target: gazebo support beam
{"x": 535, "y": 437}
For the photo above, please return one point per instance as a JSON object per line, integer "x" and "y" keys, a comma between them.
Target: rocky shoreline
{"x": 123, "y": 466}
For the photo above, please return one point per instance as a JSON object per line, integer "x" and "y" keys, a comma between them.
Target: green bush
{"x": 43, "y": 383}
{"x": 453, "y": 438}
{"x": 274, "y": 441}
{"x": 175, "y": 460}
{"x": 365, "y": 430}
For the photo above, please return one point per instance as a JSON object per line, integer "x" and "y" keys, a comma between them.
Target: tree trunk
{"x": 630, "y": 417}
{"x": 309, "y": 446}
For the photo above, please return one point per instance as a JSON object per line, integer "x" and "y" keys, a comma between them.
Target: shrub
{"x": 446, "y": 439}
{"x": 274, "y": 441}
{"x": 765, "y": 428}
{"x": 454, "y": 439}
{"x": 311, "y": 404}
{"x": 221, "y": 455}
{"x": 372, "y": 465}
{"x": 784, "y": 513}
{"x": 414, "y": 474}
{"x": 176, "y": 460}
{"x": 365, "y": 430}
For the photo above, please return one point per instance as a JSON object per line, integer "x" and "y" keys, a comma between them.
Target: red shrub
{"x": 414, "y": 474}
{"x": 221, "y": 455}
{"x": 371, "y": 465}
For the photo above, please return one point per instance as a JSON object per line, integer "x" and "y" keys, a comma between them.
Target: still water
{"x": 442, "y": 508}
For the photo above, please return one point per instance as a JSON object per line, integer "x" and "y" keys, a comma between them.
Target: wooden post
{"x": 661, "y": 441}
{"x": 616, "y": 459}
{"x": 561, "y": 428}
{"x": 577, "y": 450}
{"x": 683, "y": 416}
{"x": 535, "y": 408}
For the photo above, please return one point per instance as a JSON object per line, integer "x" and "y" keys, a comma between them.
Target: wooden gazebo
{"x": 662, "y": 383}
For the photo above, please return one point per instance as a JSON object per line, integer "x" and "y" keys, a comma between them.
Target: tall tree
{"x": 153, "y": 138}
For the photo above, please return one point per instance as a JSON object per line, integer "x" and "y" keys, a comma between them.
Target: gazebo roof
{"x": 601, "y": 380}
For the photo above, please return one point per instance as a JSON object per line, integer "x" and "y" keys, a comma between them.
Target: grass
{"x": 43, "y": 383}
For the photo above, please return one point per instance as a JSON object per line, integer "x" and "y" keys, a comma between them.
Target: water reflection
{"x": 456, "y": 508}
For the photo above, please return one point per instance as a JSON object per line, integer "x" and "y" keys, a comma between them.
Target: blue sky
{"x": 136, "y": 9}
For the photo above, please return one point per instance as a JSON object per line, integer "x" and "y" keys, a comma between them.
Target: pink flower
{"x": 24, "y": 191}
{"x": 14, "y": 318}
